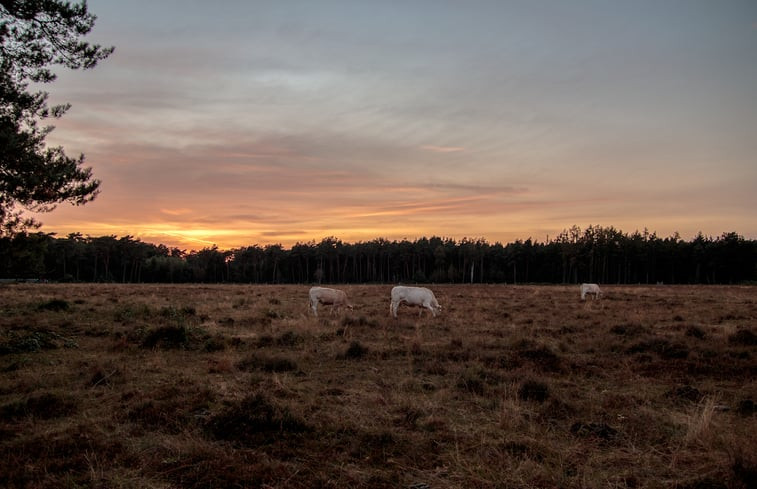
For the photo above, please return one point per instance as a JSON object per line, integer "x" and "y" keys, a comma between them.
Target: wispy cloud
{"x": 442, "y": 149}
{"x": 176, "y": 212}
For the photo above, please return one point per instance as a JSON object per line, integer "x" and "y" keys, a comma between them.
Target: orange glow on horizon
{"x": 393, "y": 226}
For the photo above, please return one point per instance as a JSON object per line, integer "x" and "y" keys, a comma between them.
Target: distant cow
{"x": 414, "y": 296}
{"x": 590, "y": 289}
{"x": 333, "y": 297}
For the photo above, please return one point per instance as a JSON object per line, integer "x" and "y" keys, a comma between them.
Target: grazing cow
{"x": 333, "y": 297}
{"x": 414, "y": 296}
{"x": 590, "y": 289}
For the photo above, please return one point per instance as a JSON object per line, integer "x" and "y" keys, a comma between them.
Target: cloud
{"x": 286, "y": 233}
{"x": 498, "y": 189}
{"x": 443, "y": 149}
{"x": 176, "y": 212}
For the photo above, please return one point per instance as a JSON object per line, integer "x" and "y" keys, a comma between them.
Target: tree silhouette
{"x": 605, "y": 255}
{"x": 34, "y": 35}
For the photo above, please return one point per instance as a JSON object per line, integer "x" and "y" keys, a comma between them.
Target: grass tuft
{"x": 629, "y": 330}
{"x": 215, "y": 343}
{"x": 34, "y": 341}
{"x": 55, "y": 305}
{"x": 41, "y": 406}
{"x": 684, "y": 393}
{"x": 747, "y": 407}
{"x": 255, "y": 420}
{"x": 662, "y": 347}
{"x": 101, "y": 376}
{"x": 543, "y": 358}
{"x": 597, "y": 431}
{"x": 289, "y": 338}
{"x": 131, "y": 313}
{"x": 267, "y": 363}
{"x": 533, "y": 390}
{"x": 167, "y": 337}
{"x": 358, "y": 321}
{"x": 743, "y": 337}
{"x": 477, "y": 380}
{"x": 355, "y": 351}
{"x": 700, "y": 422}
{"x": 744, "y": 468}
{"x": 695, "y": 332}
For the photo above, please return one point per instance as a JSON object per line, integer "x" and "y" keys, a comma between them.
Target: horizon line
{"x": 479, "y": 238}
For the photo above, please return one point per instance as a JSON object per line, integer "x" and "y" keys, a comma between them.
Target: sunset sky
{"x": 253, "y": 122}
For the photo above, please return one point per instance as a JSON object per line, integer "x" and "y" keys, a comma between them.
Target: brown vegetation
{"x": 201, "y": 386}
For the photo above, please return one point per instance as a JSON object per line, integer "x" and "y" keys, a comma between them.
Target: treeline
{"x": 596, "y": 254}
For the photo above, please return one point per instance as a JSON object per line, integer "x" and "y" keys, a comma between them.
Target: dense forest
{"x": 596, "y": 254}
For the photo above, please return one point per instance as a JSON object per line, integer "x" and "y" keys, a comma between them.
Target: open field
{"x": 215, "y": 386}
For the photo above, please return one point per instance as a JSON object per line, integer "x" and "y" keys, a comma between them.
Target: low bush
{"x": 543, "y": 358}
{"x": 130, "y": 313}
{"x": 267, "y": 363}
{"x": 747, "y": 407}
{"x": 215, "y": 343}
{"x": 358, "y": 321}
{"x": 289, "y": 338}
{"x": 628, "y": 329}
{"x": 743, "y": 337}
{"x": 42, "y": 406}
{"x": 55, "y": 305}
{"x": 744, "y": 468}
{"x": 533, "y": 390}
{"x": 695, "y": 332}
{"x": 253, "y": 421}
{"x": 662, "y": 347}
{"x": 166, "y": 337}
{"x": 34, "y": 341}
{"x": 355, "y": 351}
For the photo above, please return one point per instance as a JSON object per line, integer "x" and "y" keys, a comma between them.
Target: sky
{"x": 234, "y": 123}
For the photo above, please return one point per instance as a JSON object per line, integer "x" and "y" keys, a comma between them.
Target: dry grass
{"x": 700, "y": 424}
{"x": 206, "y": 386}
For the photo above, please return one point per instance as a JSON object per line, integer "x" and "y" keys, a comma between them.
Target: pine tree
{"x": 34, "y": 36}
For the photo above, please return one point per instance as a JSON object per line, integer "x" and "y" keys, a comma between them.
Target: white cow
{"x": 590, "y": 289}
{"x": 414, "y": 296}
{"x": 323, "y": 295}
